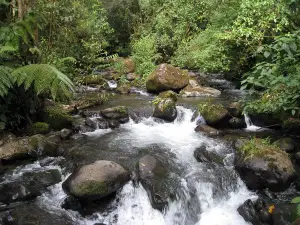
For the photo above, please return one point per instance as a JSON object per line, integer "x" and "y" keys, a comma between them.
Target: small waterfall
{"x": 112, "y": 84}
{"x": 250, "y": 125}
{"x": 140, "y": 92}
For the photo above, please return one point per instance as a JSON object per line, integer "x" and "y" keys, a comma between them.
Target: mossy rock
{"x": 91, "y": 80}
{"x": 129, "y": 65}
{"x": 40, "y": 128}
{"x": 213, "y": 114}
{"x": 167, "y": 77}
{"x": 57, "y": 118}
{"x": 263, "y": 165}
{"x": 97, "y": 180}
{"x": 165, "y": 108}
{"x": 169, "y": 94}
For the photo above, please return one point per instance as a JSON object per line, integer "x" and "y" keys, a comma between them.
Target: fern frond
{"x": 45, "y": 79}
{"x": 5, "y": 80}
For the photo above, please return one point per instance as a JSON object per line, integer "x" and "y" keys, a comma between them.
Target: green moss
{"x": 168, "y": 94}
{"x": 90, "y": 188}
{"x": 90, "y": 80}
{"x": 256, "y": 147}
{"x": 211, "y": 112}
{"x": 40, "y": 128}
{"x": 58, "y": 118}
{"x": 121, "y": 109}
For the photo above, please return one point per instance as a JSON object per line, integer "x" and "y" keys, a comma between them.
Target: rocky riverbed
{"x": 175, "y": 158}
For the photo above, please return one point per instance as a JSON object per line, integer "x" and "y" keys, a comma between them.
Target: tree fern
{"x": 5, "y": 80}
{"x": 45, "y": 79}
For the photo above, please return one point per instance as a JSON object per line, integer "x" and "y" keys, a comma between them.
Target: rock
{"x": 262, "y": 165}
{"x": 92, "y": 122}
{"x": 165, "y": 109}
{"x": 57, "y": 118}
{"x": 103, "y": 124}
{"x": 32, "y": 214}
{"x": 28, "y": 186}
{"x": 199, "y": 91}
{"x": 169, "y": 94}
{"x": 202, "y": 155}
{"x": 193, "y": 83}
{"x": 97, "y": 180}
{"x": 72, "y": 203}
{"x": 235, "y": 109}
{"x": 123, "y": 89}
{"x": 113, "y": 124}
{"x": 207, "y": 130}
{"x": 285, "y": 214}
{"x": 7, "y": 137}
{"x": 285, "y": 144}
{"x": 166, "y": 77}
{"x": 132, "y": 76}
{"x": 119, "y": 113}
{"x": 248, "y": 212}
{"x": 237, "y": 123}
{"x": 215, "y": 115}
{"x": 45, "y": 146}
{"x": 256, "y": 213}
{"x": 66, "y": 134}
{"x": 129, "y": 65}
{"x": 152, "y": 175}
{"x": 264, "y": 120}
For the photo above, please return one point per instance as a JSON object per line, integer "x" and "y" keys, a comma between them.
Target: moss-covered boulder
{"x": 57, "y": 118}
{"x": 129, "y": 65}
{"x": 167, "y": 77}
{"x": 263, "y": 165}
{"x": 207, "y": 130}
{"x": 199, "y": 91}
{"x": 97, "y": 180}
{"x": 237, "y": 123}
{"x": 91, "y": 80}
{"x": 215, "y": 115}
{"x": 165, "y": 108}
{"x": 119, "y": 113}
{"x": 169, "y": 94}
{"x": 29, "y": 147}
{"x": 39, "y": 128}
{"x": 235, "y": 109}
{"x": 123, "y": 89}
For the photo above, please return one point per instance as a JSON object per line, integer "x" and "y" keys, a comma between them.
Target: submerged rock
{"x": 199, "y": 91}
{"x": 97, "y": 180}
{"x": 203, "y": 155}
{"x": 262, "y": 165}
{"x": 165, "y": 109}
{"x": 207, "y": 130}
{"x": 152, "y": 175}
{"x": 31, "y": 214}
{"x": 28, "y": 186}
{"x": 167, "y": 77}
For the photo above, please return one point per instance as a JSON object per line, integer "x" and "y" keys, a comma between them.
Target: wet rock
{"x": 6, "y": 138}
{"x": 58, "y": 118}
{"x": 66, "y": 134}
{"x": 285, "y": 144}
{"x": 71, "y": 203}
{"x": 28, "y": 186}
{"x": 92, "y": 122}
{"x": 113, "y": 124}
{"x": 199, "y": 91}
{"x": 45, "y": 146}
{"x": 31, "y": 214}
{"x": 166, "y": 77}
{"x": 123, "y": 89}
{"x": 168, "y": 94}
{"x": 203, "y": 155}
{"x": 215, "y": 115}
{"x": 152, "y": 175}
{"x": 256, "y": 213}
{"x": 97, "y": 180}
{"x": 235, "y": 109}
{"x": 237, "y": 123}
{"x": 103, "y": 124}
{"x": 165, "y": 109}
{"x": 262, "y": 165}
{"x": 207, "y": 130}
{"x": 264, "y": 120}
{"x": 119, "y": 113}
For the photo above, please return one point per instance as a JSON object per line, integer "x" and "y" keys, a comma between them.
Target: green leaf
{"x": 267, "y": 54}
{"x": 296, "y": 200}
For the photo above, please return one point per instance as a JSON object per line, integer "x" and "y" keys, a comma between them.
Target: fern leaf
{"x": 45, "y": 79}
{"x": 5, "y": 80}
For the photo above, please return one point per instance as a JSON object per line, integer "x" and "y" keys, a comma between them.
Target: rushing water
{"x": 205, "y": 194}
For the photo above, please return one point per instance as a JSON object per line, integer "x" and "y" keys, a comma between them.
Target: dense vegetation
{"x": 45, "y": 44}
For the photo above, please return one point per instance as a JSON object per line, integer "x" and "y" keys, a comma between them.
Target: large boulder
{"x": 97, "y": 180}
{"x": 167, "y": 77}
{"x": 152, "y": 175}
{"x": 286, "y": 144}
{"x": 235, "y": 109}
{"x": 119, "y": 113}
{"x": 199, "y": 91}
{"x": 263, "y": 165}
{"x": 237, "y": 123}
{"x": 215, "y": 115}
{"x": 207, "y": 130}
{"x": 165, "y": 108}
